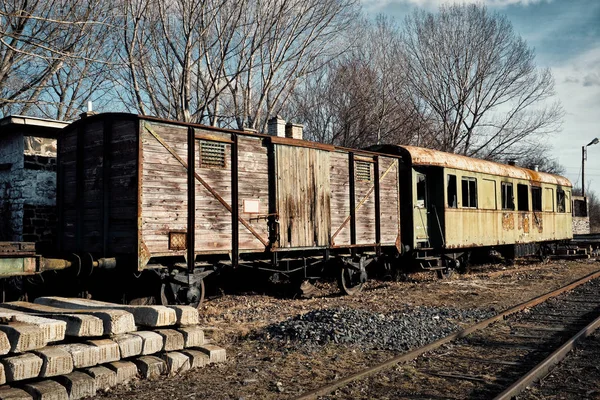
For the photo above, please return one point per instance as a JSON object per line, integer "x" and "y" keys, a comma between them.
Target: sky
{"x": 566, "y": 37}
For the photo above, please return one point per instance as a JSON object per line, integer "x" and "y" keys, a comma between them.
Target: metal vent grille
{"x": 363, "y": 171}
{"x": 212, "y": 154}
{"x": 177, "y": 240}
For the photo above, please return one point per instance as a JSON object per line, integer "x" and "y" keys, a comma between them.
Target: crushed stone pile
{"x": 399, "y": 330}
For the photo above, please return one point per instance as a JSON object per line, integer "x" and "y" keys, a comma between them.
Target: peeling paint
{"x": 508, "y": 221}
{"x": 422, "y": 156}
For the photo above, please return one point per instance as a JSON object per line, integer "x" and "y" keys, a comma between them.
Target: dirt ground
{"x": 258, "y": 368}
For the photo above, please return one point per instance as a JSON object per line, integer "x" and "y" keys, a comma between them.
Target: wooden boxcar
{"x": 453, "y": 204}
{"x": 126, "y": 182}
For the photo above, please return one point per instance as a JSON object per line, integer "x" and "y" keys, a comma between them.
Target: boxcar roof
{"x": 423, "y": 156}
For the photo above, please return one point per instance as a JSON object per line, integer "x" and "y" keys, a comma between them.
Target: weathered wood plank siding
{"x": 86, "y": 211}
{"x": 365, "y": 203}
{"x": 66, "y": 194}
{"x": 390, "y": 200}
{"x": 340, "y": 198}
{"x": 122, "y": 197}
{"x": 253, "y": 177}
{"x": 303, "y": 196}
{"x": 164, "y": 194}
{"x": 213, "y": 220}
{"x": 163, "y": 186}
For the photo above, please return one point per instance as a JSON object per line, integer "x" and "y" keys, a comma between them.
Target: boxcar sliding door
{"x": 303, "y": 196}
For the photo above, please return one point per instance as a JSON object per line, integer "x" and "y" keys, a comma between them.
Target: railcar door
{"x": 428, "y": 210}
{"x": 303, "y": 196}
{"x": 420, "y": 210}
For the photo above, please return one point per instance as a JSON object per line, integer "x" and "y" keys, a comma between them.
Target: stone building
{"x": 28, "y": 179}
{"x": 581, "y": 215}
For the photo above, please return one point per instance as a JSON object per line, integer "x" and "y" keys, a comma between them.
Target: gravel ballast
{"x": 399, "y": 330}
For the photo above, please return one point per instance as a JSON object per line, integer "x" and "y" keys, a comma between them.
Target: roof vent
{"x": 512, "y": 162}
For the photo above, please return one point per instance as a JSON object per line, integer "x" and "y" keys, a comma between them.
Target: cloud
{"x": 591, "y": 79}
{"x": 379, "y": 4}
{"x": 578, "y": 87}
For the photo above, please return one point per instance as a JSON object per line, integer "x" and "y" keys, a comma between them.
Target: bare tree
{"x": 468, "y": 68}
{"x": 38, "y": 40}
{"x": 224, "y": 62}
{"x": 361, "y": 99}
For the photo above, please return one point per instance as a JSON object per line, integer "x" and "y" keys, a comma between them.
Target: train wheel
{"x": 351, "y": 280}
{"x": 445, "y": 273}
{"x": 544, "y": 254}
{"x": 174, "y": 294}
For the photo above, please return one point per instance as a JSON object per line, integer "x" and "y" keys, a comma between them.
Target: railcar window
{"x": 421, "y": 190}
{"x": 452, "y": 192}
{"x": 560, "y": 201}
{"x": 536, "y": 198}
{"x": 363, "y": 171}
{"x": 508, "y": 198}
{"x": 469, "y": 192}
{"x": 212, "y": 154}
{"x": 523, "y": 197}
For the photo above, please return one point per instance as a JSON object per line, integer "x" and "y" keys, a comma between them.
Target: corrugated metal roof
{"x": 423, "y": 156}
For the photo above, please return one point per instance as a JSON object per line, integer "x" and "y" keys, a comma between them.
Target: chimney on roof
{"x": 89, "y": 111}
{"x": 536, "y": 168}
{"x": 276, "y": 126}
{"x": 294, "y": 131}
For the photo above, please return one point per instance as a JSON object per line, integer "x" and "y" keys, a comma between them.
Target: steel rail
{"x": 542, "y": 369}
{"x": 325, "y": 390}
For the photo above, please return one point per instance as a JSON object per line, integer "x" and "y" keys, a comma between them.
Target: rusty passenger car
{"x": 453, "y": 205}
{"x": 268, "y": 202}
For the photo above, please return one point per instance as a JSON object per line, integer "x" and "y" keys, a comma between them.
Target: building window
{"x": 212, "y": 154}
{"x": 363, "y": 171}
{"x": 508, "y": 198}
{"x": 580, "y": 208}
{"x": 560, "y": 201}
{"x": 523, "y": 197}
{"x": 452, "y": 193}
{"x": 469, "y": 192}
{"x": 536, "y": 198}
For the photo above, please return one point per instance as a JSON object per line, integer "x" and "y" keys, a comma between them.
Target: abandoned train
{"x": 277, "y": 203}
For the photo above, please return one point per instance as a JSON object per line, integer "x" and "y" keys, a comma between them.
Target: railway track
{"x": 495, "y": 358}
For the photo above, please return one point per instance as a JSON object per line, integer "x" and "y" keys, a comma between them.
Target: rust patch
{"x": 422, "y": 156}
{"x": 508, "y": 221}
{"x": 538, "y": 221}
{"x": 524, "y": 222}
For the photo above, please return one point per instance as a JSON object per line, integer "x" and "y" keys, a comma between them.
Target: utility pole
{"x": 583, "y": 158}
{"x": 583, "y": 170}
